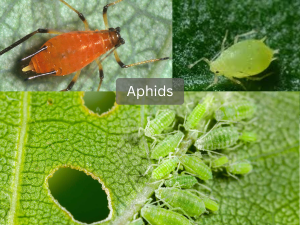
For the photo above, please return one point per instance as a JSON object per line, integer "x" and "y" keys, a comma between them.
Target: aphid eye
{"x": 122, "y": 41}
{"x": 118, "y": 29}
{"x": 217, "y": 72}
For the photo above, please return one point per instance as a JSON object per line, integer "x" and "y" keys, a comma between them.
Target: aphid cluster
{"x": 182, "y": 196}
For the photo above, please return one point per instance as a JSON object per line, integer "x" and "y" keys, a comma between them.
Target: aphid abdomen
{"x": 190, "y": 203}
{"x": 197, "y": 114}
{"x": 218, "y": 138}
{"x": 196, "y": 166}
{"x": 235, "y": 111}
{"x": 221, "y": 161}
{"x": 182, "y": 181}
{"x": 245, "y": 58}
{"x": 210, "y": 204}
{"x": 138, "y": 221}
{"x": 240, "y": 168}
{"x": 159, "y": 216}
{"x": 166, "y": 146}
{"x": 161, "y": 122}
{"x": 165, "y": 168}
{"x": 70, "y": 52}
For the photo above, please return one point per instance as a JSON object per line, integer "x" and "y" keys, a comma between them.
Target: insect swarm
{"x": 70, "y": 52}
{"x": 243, "y": 59}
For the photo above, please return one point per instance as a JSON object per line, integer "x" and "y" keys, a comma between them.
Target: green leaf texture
{"x": 200, "y": 26}
{"x": 145, "y": 26}
{"x": 41, "y": 132}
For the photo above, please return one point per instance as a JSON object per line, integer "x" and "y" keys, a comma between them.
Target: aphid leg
{"x": 237, "y": 82}
{"x": 235, "y": 147}
{"x": 148, "y": 169}
{"x": 235, "y": 177}
{"x": 81, "y": 16}
{"x": 75, "y": 78}
{"x": 259, "y": 78}
{"x": 101, "y": 74}
{"x": 212, "y": 84}
{"x": 202, "y": 59}
{"x": 198, "y": 192}
{"x": 224, "y": 40}
{"x": 40, "y": 30}
{"x": 236, "y": 39}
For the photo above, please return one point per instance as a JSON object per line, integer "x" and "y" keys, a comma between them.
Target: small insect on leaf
{"x": 221, "y": 161}
{"x": 210, "y": 204}
{"x": 69, "y": 52}
{"x": 191, "y": 204}
{"x": 181, "y": 181}
{"x": 198, "y": 113}
{"x": 218, "y": 138}
{"x": 243, "y": 59}
{"x": 194, "y": 165}
{"x": 239, "y": 168}
{"x": 248, "y": 136}
{"x": 165, "y": 168}
{"x": 159, "y": 216}
{"x": 163, "y": 120}
{"x": 235, "y": 111}
{"x": 167, "y": 145}
{"x": 138, "y": 221}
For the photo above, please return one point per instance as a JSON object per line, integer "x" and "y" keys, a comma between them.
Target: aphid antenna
{"x": 233, "y": 148}
{"x": 202, "y": 59}
{"x": 198, "y": 192}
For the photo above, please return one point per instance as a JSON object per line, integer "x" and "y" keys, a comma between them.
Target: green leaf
{"x": 145, "y": 26}
{"x": 200, "y": 26}
{"x": 40, "y": 132}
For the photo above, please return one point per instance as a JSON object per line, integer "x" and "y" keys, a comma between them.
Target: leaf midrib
{"x": 19, "y": 157}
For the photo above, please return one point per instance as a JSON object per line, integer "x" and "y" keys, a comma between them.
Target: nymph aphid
{"x": 181, "y": 181}
{"x": 194, "y": 165}
{"x": 243, "y": 59}
{"x": 162, "y": 120}
{"x": 190, "y": 204}
{"x": 239, "y": 167}
{"x": 165, "y": 168}
{"x": 167, "y": 145}
{"x": 248, "y": 136}
{"x": 198, "y": 113}
{"x": 235, "y": 111}
{"x": 210, "y": 204}
{"x": 219, "y": 162}
{"x": 159, "y": 216}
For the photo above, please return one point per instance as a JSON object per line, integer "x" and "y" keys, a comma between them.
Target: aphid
{"x": 210, "y": 204}
{"x": 70, "y": 52}
{"x": 198, "y": 113}
{"x": 196, "y": 166}
{"x": 167, "y": 145}
{"x": 240, "y": 167}
{"x": 248, "y": 136}
{"x": 190, "y": 204}
{"x": 241, "y": 60}
{"x": 163, "y": 120}
{"x": 182, "y": 181}
{"x": 221, "y": 161}
{"x": 159, "y": 216}
{"x": 235, "y": 111}
{"x": 165, "y": 168}
{"x": 218, "y": 138}
{"x": 138, "y": 221}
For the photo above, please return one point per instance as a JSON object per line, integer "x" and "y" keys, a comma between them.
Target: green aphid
{"x": 191, "y": 204}
{"x": 167, "y": 145}
{"x": 182, "y": 181}
{"x": 159, "y": 216}
{"x": 219, "y": 138}
{"x": 138, "y": 221}
{"x": 239, "y": 167}
{"x": 194, "y": 165}
{"x": 243, "y": 59}
{"x": 219, "y": 162}
{"x": 235, "y": 111}
{"x": 198, "y": 113}
{"x": 210, "y": 204}
{"x": 163, "y": 120}
{"x": 165, "y": 168}
{"x": 248, "y": 136}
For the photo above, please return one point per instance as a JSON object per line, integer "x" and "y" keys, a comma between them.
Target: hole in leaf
{"x": 79, "y": 194}
{"x": 99, "y": 102}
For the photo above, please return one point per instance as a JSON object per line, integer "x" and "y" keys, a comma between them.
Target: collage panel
{"x": 145, "y": 34}
{"x": 242, "y": 45}
{"x": 79, "y": 158}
